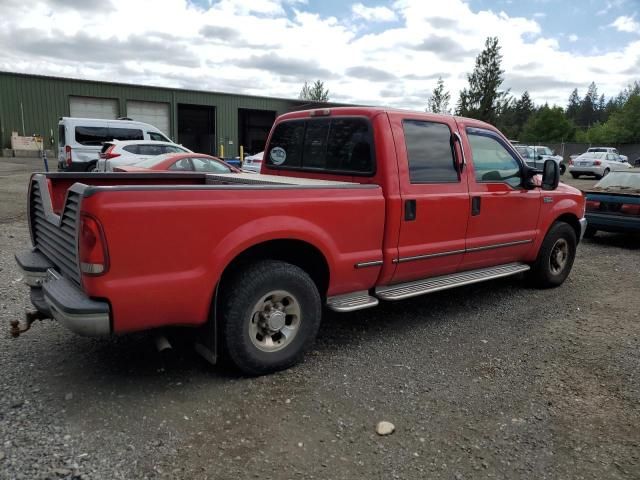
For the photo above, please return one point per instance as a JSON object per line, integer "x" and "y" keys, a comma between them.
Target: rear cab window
{"x": 430, "y": 152}
{"x": 338, "y": 145}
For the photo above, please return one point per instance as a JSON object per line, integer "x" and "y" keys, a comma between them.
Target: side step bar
{"x": 434, "y": 284}
{"x": 351, "y": 302}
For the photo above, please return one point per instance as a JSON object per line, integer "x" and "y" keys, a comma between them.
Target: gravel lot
{"x": 489, "y": 381}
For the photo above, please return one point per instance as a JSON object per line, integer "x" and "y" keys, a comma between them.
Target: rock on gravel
{"x": 385, "y": 428}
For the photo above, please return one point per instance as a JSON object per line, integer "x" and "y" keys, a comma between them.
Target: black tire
{"x": 575, "y": 175}
{"x": 590, "y": 232}
{"x": 243, "y": 292}
{"x": 563, "y": 168}
{"x": 544, "y": 272}
{"x": 91, "y": 167}
{"x": 606, "y": 172}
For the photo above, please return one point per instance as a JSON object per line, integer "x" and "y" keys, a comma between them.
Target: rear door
{"x": 434, "y": 195}
{"x": 503, "y": 217}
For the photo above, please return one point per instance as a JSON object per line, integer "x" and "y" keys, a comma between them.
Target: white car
{"x": 597, "y": 164}
{"x": 117, "y": 154}
{"x": 607, "y": 150}
{"x": 253, "y": 163}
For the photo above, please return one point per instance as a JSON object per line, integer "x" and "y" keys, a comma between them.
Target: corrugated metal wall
{"x": 41, "y": 101}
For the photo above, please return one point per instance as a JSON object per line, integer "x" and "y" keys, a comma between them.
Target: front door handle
{"x": 409, "y": 210}
{"x": 475, "y": 206}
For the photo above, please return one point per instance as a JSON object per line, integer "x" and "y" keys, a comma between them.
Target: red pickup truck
{"x": 353, "y": 206}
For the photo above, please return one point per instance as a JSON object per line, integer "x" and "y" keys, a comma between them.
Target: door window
{"x": 172, "y": 149}
{"x": 150, "y": 150}
{"x": 182, "y": 165}
{"x": 157, "y": 137}
{"x": 430, "y": 152}
{"x": 492, "y": 162}
{"x": 210, "y": 166}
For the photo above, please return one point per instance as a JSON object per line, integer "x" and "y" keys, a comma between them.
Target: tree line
{"x": 589, "y": 119}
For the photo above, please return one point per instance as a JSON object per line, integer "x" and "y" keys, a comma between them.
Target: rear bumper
{"x": 55, "y": 296}
{"x": 586, "y": 170}
{"x": 613, "y": 223}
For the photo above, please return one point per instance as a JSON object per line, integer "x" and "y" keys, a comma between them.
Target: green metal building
{"x": 206, "y": 122}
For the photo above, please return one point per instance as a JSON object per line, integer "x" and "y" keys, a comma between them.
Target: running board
{"x": 434, "y": 284}
{"x": 351, "y": 301}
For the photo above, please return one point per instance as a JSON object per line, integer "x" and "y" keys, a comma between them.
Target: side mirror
{"x": 550, "y": 175}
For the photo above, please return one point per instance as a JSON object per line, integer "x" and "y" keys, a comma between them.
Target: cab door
{"x": 503, "y": 215}
{"x": 434, "y": 195}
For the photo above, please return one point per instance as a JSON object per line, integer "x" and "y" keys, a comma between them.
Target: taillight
{"x": 597, "y": 162}
{"x": 570, "y": 162}
{"x": 109, "y": 153}
{"x": 67, "y": 155}
{"x": 592, "y": 205}
{"x": 630, "y": 209}
{"x": 94, "y": 259}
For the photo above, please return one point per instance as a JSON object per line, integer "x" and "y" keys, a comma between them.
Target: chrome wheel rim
{"x": 274, "y": 321}
{"x": 559, "y": 256}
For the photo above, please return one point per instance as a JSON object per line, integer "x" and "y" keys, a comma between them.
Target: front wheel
{"x": 575, "y": 175}
{"x": 563, "y": 168}
{"x": 590, "y": 232}
{"x": 556, "y": 256}
{"x": 270, "y": 315}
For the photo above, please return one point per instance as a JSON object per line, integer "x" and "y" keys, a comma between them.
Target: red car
{"x": 180, "y": 162}
{"x": 355, "y": 206}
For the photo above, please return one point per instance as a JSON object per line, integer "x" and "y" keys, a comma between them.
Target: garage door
{"x": 154, "y": 113}
{"x": 91, "y": 107}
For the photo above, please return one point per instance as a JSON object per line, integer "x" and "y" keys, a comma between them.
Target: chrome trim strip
{"x": 429, "y": 255}
{"x": 374, "y": 263}
{"x": 456, "y": 252}
{"x": 498, "y": 245}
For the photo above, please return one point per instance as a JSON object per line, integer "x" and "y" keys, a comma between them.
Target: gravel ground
{"x": 489, "y": 381}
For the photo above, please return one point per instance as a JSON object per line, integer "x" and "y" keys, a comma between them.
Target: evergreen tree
{"x": 483, "y": 99}
{"x": 573, "y": 107}
{"x": 588, "y": 115}
{"x": 439, "y": 100}
{"x": 315, "y": 92}
{"x": 523, "y": 109}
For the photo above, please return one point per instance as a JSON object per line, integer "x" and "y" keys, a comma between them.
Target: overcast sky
{"x": 370, "y": 52}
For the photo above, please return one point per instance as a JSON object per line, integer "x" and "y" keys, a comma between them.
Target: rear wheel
{"x": 575, "y": 175}
{"x": 92, "y": 167}
{"x": 270, "y": 315}
{"x": 555, "y": 257}
{"x": 606, "y": 172}
{"x": 563, "y": 168}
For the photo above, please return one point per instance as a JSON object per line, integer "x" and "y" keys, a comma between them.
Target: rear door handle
{"x": 409, "y": 210}
{"x": 475, "y": 206}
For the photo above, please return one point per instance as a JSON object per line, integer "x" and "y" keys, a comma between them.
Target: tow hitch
{"x": 30, "y": 317}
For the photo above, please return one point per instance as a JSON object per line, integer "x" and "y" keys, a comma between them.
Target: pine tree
{"x": 587, "y": 114}
{"x": 315, "y": 92}
{"x": 439, "y": 100}
{"x": 574, "y": 105}
{"x": 483, "y": 99}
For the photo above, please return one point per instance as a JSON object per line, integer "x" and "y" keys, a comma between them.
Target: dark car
{"x": 613, "y": 204}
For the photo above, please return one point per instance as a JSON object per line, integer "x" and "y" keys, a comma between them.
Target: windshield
{"x": 153, "y": 161}
{"x": 620, "y": 181}
{"x": 544, "y": 151}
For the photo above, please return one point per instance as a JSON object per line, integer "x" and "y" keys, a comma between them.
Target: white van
{"x": 80, "y": 139}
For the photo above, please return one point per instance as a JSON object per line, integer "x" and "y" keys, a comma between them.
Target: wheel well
{"x": 296, "y": 252}
{"x": 571, "y": 220}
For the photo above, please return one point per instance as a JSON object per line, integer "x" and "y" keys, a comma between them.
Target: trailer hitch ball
{"x": 30, "y": 317}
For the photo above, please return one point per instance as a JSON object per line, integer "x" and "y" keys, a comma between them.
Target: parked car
{"x": 613, "y": 204}
{"x": 607, "y": 150}
{"x": 253, "y": 163}
{"x": 535, "y": 156}
{"x": 597, "y": 164}
{"x": 542, "y": 153}
{"x": 80, "y": 139}
{"x": 117, "y": 153}
{"x": 354, "y": 206}
{"x": 180, "y": 162}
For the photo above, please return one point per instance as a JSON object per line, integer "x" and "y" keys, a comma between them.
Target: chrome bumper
{"x": 56, "y": 296}
{"x": 583, "y": 227}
